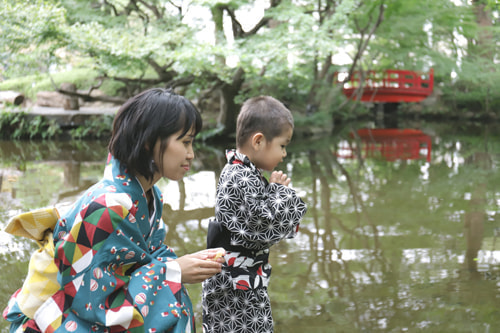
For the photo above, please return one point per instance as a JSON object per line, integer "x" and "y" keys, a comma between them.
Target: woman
{"x": 114, "y": 273}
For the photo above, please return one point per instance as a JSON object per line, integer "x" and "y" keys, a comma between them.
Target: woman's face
{"x": 177, "y": 157}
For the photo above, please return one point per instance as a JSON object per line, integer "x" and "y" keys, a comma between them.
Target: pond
{"x": 401, "y": 235}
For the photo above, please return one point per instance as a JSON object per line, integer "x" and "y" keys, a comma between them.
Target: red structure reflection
{"x": 391, "y": 144}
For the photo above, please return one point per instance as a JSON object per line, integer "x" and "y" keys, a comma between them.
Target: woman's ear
{"x": 258, "y": 141}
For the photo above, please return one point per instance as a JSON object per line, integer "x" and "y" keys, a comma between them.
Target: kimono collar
{"x": 235, "y": 157}
{"x": 118, "y": 174}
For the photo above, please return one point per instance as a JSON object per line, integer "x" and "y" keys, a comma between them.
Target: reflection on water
{"x": 388, "y": 244}
{"x": 389, "y": 143}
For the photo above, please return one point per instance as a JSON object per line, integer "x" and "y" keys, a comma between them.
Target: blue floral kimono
{"x": 114, "y": 272}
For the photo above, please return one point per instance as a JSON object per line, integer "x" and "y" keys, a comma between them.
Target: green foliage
{"x": 315, "y": 120}
{"x": 416, "y": 35}
{"x": 475, "y": 89}
{"x": 210, "y": 133}
{"x": 31, "y": 34}
{"x": 29, "y": 85}
{"x": 19, "y": 125}
{"x": 95, "y": 128}
{"x": 113, "y": 41}
{"x": 156, "y": 42}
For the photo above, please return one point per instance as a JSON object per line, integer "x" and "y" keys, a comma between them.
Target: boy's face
{"x": 273, "y": 152}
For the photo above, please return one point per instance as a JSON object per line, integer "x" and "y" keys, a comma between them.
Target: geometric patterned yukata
{"x": 114, "y": 271}
{"x": 251, "y": 216}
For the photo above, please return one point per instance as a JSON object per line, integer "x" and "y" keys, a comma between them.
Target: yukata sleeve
{"x": 160, "y": 296}
{"x": 99, "y": 260}
{"x": 260, "y": 215}
{"x": 287, "y": 207}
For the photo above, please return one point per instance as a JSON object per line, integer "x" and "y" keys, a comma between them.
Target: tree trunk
{"x": 11, "y": 97}
{"x": 228, "y": 107}
{"x": 70, "y": 102}
{"x": 484, "y": 36}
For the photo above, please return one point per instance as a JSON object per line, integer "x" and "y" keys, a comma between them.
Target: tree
{"x": 137, "y": 43}
{"x": 287, "y": 49}
{"x": 239, "y": 48}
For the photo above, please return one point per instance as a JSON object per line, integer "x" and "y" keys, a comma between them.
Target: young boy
{"x": 252, "y": 214}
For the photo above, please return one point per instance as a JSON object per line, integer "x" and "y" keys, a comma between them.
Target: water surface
{"x": 401, "y": 235}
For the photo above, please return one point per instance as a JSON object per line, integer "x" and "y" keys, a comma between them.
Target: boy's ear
{"x": 258, "y": 140}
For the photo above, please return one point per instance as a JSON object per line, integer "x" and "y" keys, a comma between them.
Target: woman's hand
{"x": 280, "y": 178}
{"x": 199, "y": 266}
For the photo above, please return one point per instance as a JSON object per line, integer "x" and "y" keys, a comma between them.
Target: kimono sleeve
{"x": 259, "y": 215}
{"x": 287, "y": 206}
{"x": 100, "y": 258}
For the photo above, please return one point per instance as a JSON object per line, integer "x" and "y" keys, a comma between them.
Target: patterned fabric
{"x": 251, "y": 216}
{"x": 115, "y": 273}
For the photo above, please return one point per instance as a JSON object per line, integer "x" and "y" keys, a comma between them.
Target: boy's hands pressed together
{"x": 280, "y": 178}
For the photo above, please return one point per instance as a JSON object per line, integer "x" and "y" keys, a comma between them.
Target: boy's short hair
{"x": 263, "y": 114}
{"x": 154, "y": 114}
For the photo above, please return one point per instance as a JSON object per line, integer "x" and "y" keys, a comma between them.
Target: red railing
{"x": 390, "y": 86}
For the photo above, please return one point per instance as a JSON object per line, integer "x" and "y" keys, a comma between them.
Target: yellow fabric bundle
{"x": 33, "y": 224}
{"x": 41, "y": 281}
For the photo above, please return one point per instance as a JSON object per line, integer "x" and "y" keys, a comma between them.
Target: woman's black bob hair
{"x": 154, "y": 114}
